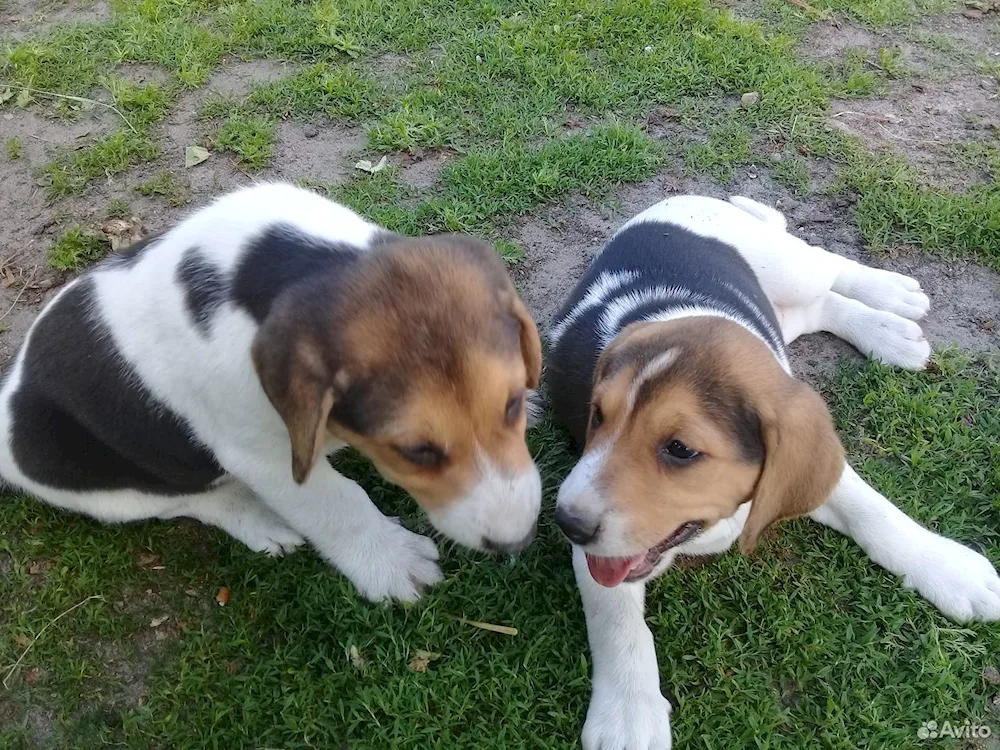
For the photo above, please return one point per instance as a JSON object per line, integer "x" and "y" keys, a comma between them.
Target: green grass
{"x": 792, "y": 170}
{"x": 250, "y": 137}
{"x": 884, "y": 13}
{"x": 483, "y": 78}
{"x": 486, "y": 190}
{"x": 806, "y": 644}
{"x": 77, "y": 248}
{"x": 118, "y": 208}
{"x": 897, "y": 208}
{"x": 167, "y": 185}
{"x": 13, "y": 148}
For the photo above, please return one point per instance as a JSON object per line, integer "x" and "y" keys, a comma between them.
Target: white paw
{"x": 625, "y": 720}
{"x": 894, "y": 340}
{"x": 391, "y": 562}
{"x": 892, "y": 292}
{"x": 263, "y": 531}
{"x": 955, "y": 579}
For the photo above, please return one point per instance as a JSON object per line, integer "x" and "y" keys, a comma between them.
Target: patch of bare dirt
{"x": 830, "y": 39}
{"x": 234, "y": 79}
{"x": 421, "y": 170}
{"x": 322, "y": 153}
{"x": 144, "y": 74}
{"x": 560, "y": 243}
{"x": 937, "y": 46}
{"x": 29, "y": 224}
{"x": 239, "y": 77}
{"x": 20, "y": 17}
{"x": 390, "y": 68}
{"x": 938, "y": 101}
{"x": 923, "y": 121}
{"x": 127, "y": 667}
{"x": 311, "y": 151}
{"x": 940, "y": 45}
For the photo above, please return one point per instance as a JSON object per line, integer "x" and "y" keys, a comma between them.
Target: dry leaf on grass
{"x": 147, "y": 559}
{"x": 195, "y": 155}
{"x": 36, "y": 567}
{"x": 157, "y": 621}
{"x": 366, "y": 166}
{"x": 222, "y": 597}
{"x": 22, "y": 641}
{"x": 33, "y": 675}
{"x": 502, "y": 629}
{"x": 421, "y": 659}
{"x": 122, "y": 233}
{"x": 357, "y": 660}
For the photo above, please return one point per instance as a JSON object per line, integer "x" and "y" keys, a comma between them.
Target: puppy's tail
{"x": 768, "y": 215}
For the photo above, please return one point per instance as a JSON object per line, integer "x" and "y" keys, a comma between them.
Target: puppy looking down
{"x": 668, "y": 364}
{"x": 206, "y": 372}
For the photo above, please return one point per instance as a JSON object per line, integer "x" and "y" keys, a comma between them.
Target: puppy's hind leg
{"x": 235, "y": 509}
{"x": 882, "y": 290}
{"x": 877, "y": 334}
{"x": 795, "y": 274}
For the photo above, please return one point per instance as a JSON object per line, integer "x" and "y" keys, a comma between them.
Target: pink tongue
{"x": 610, "y": 571}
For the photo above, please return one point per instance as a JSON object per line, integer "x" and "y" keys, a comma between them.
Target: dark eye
{"x": 514, "y": 408}
{"x": 675, "y": 452}
{"x": 596, "y": 418}
{"x": 426, "y": 455}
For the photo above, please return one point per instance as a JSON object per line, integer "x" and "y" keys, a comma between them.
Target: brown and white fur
{"x": 209, "y": 371}
{"x": 668, "y": 365}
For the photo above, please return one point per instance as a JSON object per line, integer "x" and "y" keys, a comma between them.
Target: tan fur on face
{"x": 762, "y": 434}
{"x": 466, "y": 418}
{"x": 423, "y": 342}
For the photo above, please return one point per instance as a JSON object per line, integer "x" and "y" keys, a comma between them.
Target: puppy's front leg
{"x": 627, "y": 710}
{"x": 378, "y": 555}
{"x": 956, "y": 580}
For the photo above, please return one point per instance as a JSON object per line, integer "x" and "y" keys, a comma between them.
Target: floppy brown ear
{"x": 299, "y": 387}
{"x": 802, "y": 464}
{"x": 531, "y": 344}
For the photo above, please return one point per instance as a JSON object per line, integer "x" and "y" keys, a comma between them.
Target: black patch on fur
{"x": 365, "y": 406}
{"x": 204, "y": 286}
{"x": 741, "y": 420}
{"x": 661, "y": 255}
{"x": 283, "y": 255}
{"x": 82, "y": 420}
{"x": 131, "y": 255}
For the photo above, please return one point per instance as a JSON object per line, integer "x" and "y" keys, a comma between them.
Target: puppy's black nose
{"x": 579, "y": 530}
{"x": 511, "y": 548}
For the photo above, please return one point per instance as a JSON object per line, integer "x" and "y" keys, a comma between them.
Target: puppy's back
{"x": 138, "y": 364}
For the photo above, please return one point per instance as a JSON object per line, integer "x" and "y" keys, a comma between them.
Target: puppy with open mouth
{"x": 209, "y": 371}
{"x": 668, "y": 364}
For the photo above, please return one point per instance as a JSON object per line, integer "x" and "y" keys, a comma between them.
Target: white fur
{"x": 605, "y": 285}
{"x": 476, "y": 516}
{"x": 812, "y": 290}
{"x": 209, "y": 381}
